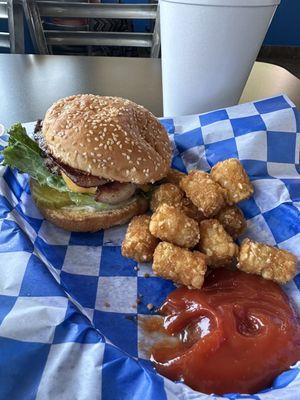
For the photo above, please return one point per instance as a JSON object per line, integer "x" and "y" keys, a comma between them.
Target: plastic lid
{"x": 228, "y": 3}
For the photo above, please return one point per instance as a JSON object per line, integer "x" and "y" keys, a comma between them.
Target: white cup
{"x": 208, "y": 50}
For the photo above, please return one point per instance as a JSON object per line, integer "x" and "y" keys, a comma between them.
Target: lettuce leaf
{"x": 52, "y": 198}
{"x": 24, "y": 154}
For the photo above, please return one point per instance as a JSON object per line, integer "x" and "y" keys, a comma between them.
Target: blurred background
{"x": 281, "y": 45}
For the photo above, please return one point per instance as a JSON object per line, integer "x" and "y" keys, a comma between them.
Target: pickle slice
{"x": 45, "y": 196}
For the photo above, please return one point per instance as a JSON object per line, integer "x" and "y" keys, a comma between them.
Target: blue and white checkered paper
{"x": 69, "y": 322}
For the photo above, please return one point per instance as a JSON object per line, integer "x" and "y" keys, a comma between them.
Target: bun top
{"x": 109, "y": 137}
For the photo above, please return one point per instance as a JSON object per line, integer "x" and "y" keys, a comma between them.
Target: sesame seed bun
{"x": 109, "y": 137}
{"x": 76, "y": 219}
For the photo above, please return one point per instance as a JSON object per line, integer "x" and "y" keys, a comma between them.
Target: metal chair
{"x": 35, "y": 10}
{"x": 14, "y": 38}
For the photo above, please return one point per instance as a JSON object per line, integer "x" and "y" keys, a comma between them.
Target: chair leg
{"x": 35, "y": 26}
{"x": 155, "y": 49}
{"x": 15, "y": 26}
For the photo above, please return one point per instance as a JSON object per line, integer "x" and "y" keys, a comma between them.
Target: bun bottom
{"x": 92, "y": 221}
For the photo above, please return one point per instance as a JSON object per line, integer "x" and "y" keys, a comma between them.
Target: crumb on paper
{"x": 132, "y": 318}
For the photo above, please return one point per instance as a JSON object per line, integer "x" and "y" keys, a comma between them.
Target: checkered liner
{"x": 69, "y": 322}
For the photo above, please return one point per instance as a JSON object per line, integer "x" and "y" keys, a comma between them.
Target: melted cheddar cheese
{"x": 75, "y": 188}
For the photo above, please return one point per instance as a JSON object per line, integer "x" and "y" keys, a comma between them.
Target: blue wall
{"x": 285, "y": 27}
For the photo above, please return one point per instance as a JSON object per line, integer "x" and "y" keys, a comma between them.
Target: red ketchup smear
{"x": 236, "y": 334}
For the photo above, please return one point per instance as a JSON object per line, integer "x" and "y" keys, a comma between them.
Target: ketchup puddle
{"x": 236, "y": 334}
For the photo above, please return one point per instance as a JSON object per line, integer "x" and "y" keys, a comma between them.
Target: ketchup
{"x": 236, "y": 334}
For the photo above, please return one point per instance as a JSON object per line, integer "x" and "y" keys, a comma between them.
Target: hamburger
{"x": 90, "y": 160}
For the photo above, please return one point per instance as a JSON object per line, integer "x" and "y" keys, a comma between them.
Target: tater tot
{"x": 174, "y": 176}
{"x": 172, "y": 225}
{"x": 206, "y": 194}
{"x": 217, "y": 244}
{"x": 138, "y": 243}
{"x": 166, "y": 193}
{"x": 191, "y": 210}
{"x": 232, "y": 218}
{"x": 269, "y": 262}
{"x": 180, "y": 265}
{"x": 231, "y": 175}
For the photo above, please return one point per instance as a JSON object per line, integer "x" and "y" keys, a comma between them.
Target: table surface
{"x": 29, "y": 84}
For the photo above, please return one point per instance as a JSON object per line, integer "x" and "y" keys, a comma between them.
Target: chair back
{"x": 43, "y": 39}
{"x": 11, "y": 10}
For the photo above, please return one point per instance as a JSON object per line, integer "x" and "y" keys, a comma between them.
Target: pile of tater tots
{"x": 194, "y": 225}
